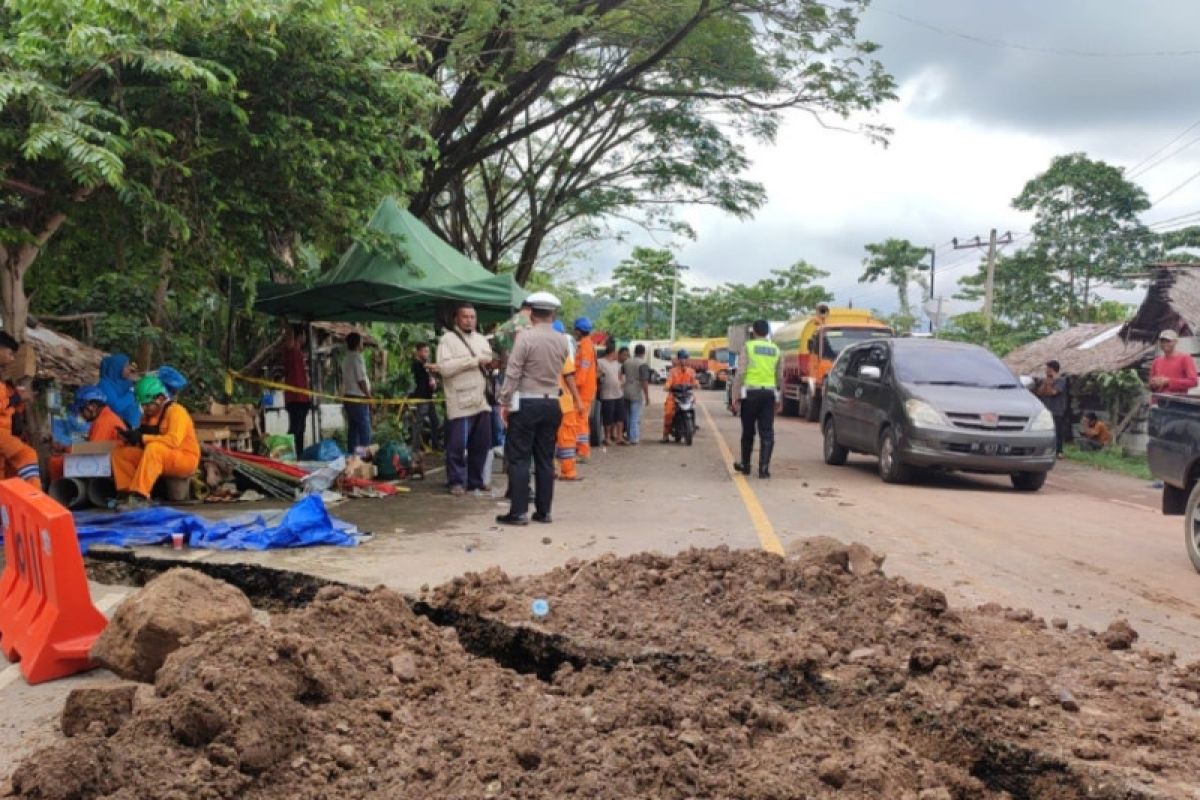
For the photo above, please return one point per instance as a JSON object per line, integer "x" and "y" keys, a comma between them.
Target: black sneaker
{"x": 765, "y": 474}
{"x": 742, "y": 468}
{"x": 542, "y": 518}
{"x": 509, "y": 519}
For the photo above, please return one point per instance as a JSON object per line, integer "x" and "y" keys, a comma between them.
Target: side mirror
{"x": 870, "y": 373}
{"x": 1027, "y": 381}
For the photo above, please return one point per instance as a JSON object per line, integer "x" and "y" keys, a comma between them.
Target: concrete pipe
{"x": 101, "y": 492}
{"x": 69, "y": 492}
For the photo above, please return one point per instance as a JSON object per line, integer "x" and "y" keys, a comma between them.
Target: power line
{"x": 1176, "y": 189}
{"x": 1181, "y": 134}
{"x": 1056, "y": 51}
{"x": 1139, "y": 173}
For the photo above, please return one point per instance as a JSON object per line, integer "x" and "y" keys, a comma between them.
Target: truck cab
{"x": 709, "y": 358}
{"x": 809, "y": 346}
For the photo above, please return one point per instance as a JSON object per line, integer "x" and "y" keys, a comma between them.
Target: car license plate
{"x": 994, "y": 449}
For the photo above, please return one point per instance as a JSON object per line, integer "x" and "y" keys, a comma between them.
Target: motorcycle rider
{"x": 680, "y": 375}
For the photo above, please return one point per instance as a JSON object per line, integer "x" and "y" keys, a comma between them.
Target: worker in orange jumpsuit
{"x": 19, "y": 459}
{"x": 91, "y": 403}
{"x": 588, "y": 384}
{"x": 164, "y": 444}
{"x": 565, "y": 446}
{"x": 680, "y": 375}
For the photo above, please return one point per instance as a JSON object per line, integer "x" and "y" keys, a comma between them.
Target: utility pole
{"x": 932, "y": 267}
{"x": 674, "y": 297}
{"x": 990, "y": 282}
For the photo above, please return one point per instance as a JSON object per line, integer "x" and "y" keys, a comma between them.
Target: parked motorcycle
{"x": 683, "y": 426}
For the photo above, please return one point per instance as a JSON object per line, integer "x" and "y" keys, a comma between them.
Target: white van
{"x": 659, "y": 367}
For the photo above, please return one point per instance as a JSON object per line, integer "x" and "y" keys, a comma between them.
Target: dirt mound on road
{"x": 713, "y": 674}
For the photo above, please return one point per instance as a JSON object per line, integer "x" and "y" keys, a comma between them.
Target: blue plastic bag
{"x": 324, "y": 450}
{"x": 67, "y": 431}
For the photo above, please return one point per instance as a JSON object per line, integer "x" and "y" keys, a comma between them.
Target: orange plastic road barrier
{"x": 47, "y": 620}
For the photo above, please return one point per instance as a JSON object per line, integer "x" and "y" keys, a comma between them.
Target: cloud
{"x": 972, "y": 125}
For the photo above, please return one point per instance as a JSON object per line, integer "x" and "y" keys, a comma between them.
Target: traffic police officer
{"x": 757, "y": 397}
{"x": 529, "y": 408}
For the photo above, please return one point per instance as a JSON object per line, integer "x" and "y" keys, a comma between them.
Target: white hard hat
{"x": 543, "y": 301}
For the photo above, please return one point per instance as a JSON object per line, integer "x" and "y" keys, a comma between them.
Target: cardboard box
{"x": 24, "y": 366}
{"x": 95, "y": 465}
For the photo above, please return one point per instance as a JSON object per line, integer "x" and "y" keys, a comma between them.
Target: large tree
{"x": 67, "y": 135}
{"x": 642, "y": 287}
{"x": 1086, "y": 227}
{"x": 545, "y": 93}
{"x": 286, "y": 159}
{"x": 899, "y": 262}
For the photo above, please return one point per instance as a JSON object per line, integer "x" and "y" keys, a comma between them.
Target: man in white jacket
{"x": 464, "y": 360}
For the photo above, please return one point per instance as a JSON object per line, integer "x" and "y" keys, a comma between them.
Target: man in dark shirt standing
{"x": 424, "y": 388}
{"x": 1053, "y": 391}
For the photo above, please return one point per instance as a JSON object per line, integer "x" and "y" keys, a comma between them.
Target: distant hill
{"x": 593, "y": 307}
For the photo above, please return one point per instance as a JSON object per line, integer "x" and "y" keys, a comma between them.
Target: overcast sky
{"x": 973, "y": 123}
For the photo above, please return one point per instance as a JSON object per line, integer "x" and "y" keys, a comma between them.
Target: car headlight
{"x": 924, "y": 415}
{"x": 1042, "y": 422}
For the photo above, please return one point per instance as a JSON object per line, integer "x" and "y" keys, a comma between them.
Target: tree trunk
{"x": 529, "y": 254}
{"x": 13, "y": 266}
{"x": 146, "y": 347}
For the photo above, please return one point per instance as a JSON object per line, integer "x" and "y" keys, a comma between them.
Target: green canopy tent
{"x": 370, "y": 284}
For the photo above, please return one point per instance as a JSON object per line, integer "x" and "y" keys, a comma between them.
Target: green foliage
{"x": 898, "y": 261}
{"x": 1111, "y": 459}
{"x": 1118, "y": 390}
{"x": 642, "y": 288}
{"x": 1003, "y": 338}
{"x": 1086, "y": 228}
{"x": 264, "y": 172}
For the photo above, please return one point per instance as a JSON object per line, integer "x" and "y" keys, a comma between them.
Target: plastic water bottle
{"x": 540, "y": 607}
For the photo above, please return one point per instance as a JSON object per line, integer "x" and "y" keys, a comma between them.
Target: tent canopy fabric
{"x": 371, "y": 284}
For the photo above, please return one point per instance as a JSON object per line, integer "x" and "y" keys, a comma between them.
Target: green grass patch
{"x": 1111, "y": 459}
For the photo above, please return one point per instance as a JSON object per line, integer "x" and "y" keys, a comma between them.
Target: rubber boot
{"x": 764, "y": 459}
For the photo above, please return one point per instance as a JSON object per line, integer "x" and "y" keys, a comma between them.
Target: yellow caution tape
{"x": 230, "y": 376}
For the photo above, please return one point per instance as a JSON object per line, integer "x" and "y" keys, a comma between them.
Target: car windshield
{"x": 947, "y": 366}
{"x": 721, "y": 354}
{"x": 837, "y": 340}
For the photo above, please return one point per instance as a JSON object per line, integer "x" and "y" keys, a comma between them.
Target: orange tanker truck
{"x": 809, "y": 346}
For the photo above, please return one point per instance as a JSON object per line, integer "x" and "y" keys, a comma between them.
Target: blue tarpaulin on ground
{"x": 305, "y": 524}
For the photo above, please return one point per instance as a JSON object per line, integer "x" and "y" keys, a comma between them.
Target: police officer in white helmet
{"x": 530, "y": 410}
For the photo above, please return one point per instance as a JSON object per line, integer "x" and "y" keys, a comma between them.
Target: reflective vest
{"x": 762, "y": 358}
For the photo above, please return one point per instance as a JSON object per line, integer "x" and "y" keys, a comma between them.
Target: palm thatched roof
{"x": 1172, "y": 301}
{"x": 63, "y": 359}
{"x": 1081, "y": 350}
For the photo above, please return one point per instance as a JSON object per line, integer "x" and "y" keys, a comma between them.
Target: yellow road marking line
{"x": 762, "y": 524}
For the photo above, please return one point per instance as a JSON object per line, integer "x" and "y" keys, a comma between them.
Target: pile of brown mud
{"x": 710, "y": 674}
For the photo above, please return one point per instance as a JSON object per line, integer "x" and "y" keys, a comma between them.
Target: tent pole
{"x": 313, "y": 382}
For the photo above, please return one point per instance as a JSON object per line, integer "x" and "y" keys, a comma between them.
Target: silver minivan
{"x": 928, "y": 403}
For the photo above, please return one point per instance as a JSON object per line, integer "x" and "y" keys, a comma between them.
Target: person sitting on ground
{"x": 164, "y": 444}
{"x": 680, "y": 375}
{"x": 20, "y": 460}
{"x": 1094, "y": 434}
{"x": 92, "y": 406}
